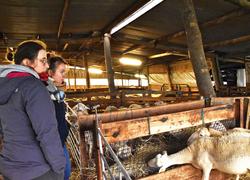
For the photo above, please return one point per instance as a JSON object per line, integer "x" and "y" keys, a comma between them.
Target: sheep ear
{"x": 158, "y": 156}
{"x": 165, "y": 153}
{"x": 162, "y": 169}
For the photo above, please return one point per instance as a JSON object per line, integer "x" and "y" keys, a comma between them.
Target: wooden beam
{"x": 186, "y": 172}
{"x": 64, "y": 12}
{"x": 196, "y": 51}
{"x": 228, "y": 42}
{"x": 242, "y": 3}
{"x": 136, "y": 46}
{"x": 149, "y": 125}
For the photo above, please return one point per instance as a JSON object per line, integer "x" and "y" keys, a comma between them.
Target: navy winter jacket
{"x": 31, "y": 143}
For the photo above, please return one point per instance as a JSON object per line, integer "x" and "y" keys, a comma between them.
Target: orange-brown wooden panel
{"x": 129, "y": 129}
{"x": 187, "y": 172}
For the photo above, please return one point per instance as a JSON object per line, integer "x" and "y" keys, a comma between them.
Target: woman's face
{"x": 40, "y": 64}
{"x": 59, "y": 74}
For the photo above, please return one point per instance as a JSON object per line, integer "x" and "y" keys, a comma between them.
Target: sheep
{"x": 229, "y": 152}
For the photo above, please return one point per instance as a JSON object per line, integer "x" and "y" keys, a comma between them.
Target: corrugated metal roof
{"x": 85, "y": 22}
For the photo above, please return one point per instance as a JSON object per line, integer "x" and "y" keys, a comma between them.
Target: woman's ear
{"x": 26, "y": 62}
{"x": 50, "y": 73}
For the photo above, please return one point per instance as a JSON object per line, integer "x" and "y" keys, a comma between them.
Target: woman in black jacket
{"x": 57, "y": 71}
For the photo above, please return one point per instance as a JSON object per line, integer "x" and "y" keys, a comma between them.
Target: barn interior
{"x": 169, "y": 68}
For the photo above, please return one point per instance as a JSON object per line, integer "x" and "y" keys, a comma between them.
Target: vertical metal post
{"x": 109, "y": 64}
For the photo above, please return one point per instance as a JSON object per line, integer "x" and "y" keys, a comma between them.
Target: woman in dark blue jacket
{"x": 31, "y": 143}
{"x": 57, "y": 71}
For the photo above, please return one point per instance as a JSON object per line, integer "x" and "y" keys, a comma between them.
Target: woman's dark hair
{"x": 28, "y": 49}
{"x": 54, "y": 62}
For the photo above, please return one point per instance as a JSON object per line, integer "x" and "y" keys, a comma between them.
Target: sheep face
{"x": 159, "y": 161}
{"x": 202, "y": 132}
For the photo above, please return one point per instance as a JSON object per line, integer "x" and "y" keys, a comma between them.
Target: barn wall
{"x": 182, "y": 73}
{"x": 158, "y": 75}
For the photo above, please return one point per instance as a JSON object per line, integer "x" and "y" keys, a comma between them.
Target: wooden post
{"x": 148, "y": 74}
{"x": 139, "y": 79}
{"x": 247, "y": 67}
{"x": 241, "y": 113}
{"x": 75, "y": 77}
{"x": 169, "y": 78}
{"x": 69, "y": 87}
{"x": 85, "y": 61}
{"x": 216, "y": 73}
{"x": 122, "y": 78}
{"x": 108, "y": 61}
{"x": 83, "y": 155}
{"x": 196, "y": 52}
{"x": 237, "y": 112}
{"x": 97, "y": 153}
{"x": 248, "y": 115}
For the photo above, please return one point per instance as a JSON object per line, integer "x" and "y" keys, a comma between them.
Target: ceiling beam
{"x": 228, "y": 42}
{"x": 64, "y": 12}
{"x": 213, "y": 22}
{"x": 242, "y": 3}
{"x": 151, "y": 44}
{"x": 137, "y": 5}
{"x": 131, "y": 48}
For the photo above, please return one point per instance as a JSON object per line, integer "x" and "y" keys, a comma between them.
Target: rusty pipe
{"x": 86, "y": 121}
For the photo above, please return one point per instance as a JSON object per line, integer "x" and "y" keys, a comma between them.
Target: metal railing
{"x": 101, "y": 140}
{"x": 73, "y": 139}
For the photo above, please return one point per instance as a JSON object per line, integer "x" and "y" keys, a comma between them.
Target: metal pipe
{"x": 86, "y": 121}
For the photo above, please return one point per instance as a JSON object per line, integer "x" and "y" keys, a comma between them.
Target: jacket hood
{"x": 6, "y": 69}
{"x": 8, "y": 86}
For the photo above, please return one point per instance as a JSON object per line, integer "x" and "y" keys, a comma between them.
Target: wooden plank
{"x": 186, "y": 172}
{"x": 190, "y": 118}
{"x": 144, "y": 126}
{"x": 241, "y": 113}
{"x": 248, "y": 115}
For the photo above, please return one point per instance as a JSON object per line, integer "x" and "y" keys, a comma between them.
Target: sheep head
{"x": 160, "y": 161}
{"x": 202, "y": 132}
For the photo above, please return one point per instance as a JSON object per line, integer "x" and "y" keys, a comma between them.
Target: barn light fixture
{"x": 130, "y": 61}
{"x": 141, "y": 76}
{"x": 166, "y": 54}
{"x": 76, "y": 67}
{"x": 95, "y": 71}
{"x": 159, "y": 55}
{"x": 146, "y": 7}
